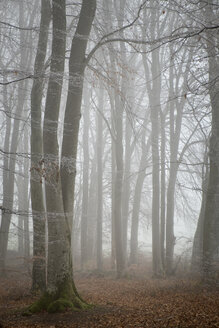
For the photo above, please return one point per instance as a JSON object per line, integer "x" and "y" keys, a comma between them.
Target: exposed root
{"x": 59, "y": 302}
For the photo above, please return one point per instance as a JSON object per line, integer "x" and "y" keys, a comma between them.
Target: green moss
{"x": 60, "y": 305}
{"x": 81, "y": 304}
{"x": 66, "y": 297}
{"x": 41, "y": 304}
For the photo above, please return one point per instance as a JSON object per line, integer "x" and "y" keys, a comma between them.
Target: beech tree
{"x": 38, "y": 208}
{"x": 60, "y": 178}
{"x": 211, "y": 226}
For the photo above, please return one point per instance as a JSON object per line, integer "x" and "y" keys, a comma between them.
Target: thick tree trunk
{"x": 58, "y": 239}
{"x": 211, "y": 214}
{"x": 61, "y": 291}
{"x": 197, "y": 250}
{"x": 73, "y": 106}
{"x": 38, "y": 210}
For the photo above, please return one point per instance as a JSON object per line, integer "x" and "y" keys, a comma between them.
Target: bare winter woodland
{"x": 109, "y": 163}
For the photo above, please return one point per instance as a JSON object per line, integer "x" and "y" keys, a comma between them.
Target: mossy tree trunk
{"x": 60, "y": 179}
{"x": 38, "y": 210}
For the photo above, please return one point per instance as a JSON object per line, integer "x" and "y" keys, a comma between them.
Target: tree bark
{"x": 61, "y": 292}
{"x": 36, "y": 182}
{"x": 99, "y": 146}
{"x": 211, "y": 214}
{"x": 84, "y": 214}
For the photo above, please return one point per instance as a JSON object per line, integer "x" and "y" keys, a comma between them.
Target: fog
{"x": 109, "y": 141}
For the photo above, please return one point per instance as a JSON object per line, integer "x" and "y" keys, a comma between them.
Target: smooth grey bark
{"x": 108, "y": 9}
{"x": 155, "y": 105}
{"x": 126, "y": 186}
{"x": 211, "y": 214}
{"x": 73, "y": 105}
{"x": 23, "y": 205}
{"x": 162, "y": 188}
{"x": 36, "y": 182}
{"x": 197, "y": 249}
{"x": 99, "y": 150}
{"x": 85, "y": 188}
{"x": 154, "y": 90}
{"x": 120, "y": 12}
{"x": 5, "y": 184}
{"x": 118, "y": 187}
{"x": 113, "y": 248}
{"x": 92, "y": 210}
{"x": 117, "y": 179}
{"x": 137, "y": 199}
{"x": 60, "y": 181}
{"x": 117, "y": 95}
{"x": 58, "y": 251}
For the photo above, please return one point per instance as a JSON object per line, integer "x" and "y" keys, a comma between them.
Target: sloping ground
{"x": 119, "y": 303}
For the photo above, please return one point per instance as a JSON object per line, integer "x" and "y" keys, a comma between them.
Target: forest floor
{"x": 131, "y": 302}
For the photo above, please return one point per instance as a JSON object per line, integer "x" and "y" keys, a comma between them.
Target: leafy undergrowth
{"x": 119, "y": 303}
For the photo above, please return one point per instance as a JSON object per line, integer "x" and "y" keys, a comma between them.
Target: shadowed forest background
{"x": 109, "y": 163}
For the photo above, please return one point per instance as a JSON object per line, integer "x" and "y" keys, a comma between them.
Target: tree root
{"x": 66, "y": 298}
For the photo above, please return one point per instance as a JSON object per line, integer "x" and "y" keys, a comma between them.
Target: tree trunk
{"x": 137, "y": 197}
{"x": 211, "y": 214}
{"x": 84, "y": 214}
{"x": 126, "y": 186}
{"x": 61, "y": 292}
{"x": 196, "y": 262}
{"x": 99, "y": 146}
{"x": 38, "y": 209}
{"x": 163, "y": 189}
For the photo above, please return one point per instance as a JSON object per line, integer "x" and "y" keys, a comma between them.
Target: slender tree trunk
{"x": 155, "y": 106}
{"x": 137, "y": 198}
{"x": 126, "y": 186}
{"x": 113, "y": 247}
{"x": 5, "y": 182}
{"x": 84, "y": 214}
{"x": 92, "y": 210}
{"x": 99, "y": 146}
{"x": 23, "y": 200}
{"x": 163, "y": 189}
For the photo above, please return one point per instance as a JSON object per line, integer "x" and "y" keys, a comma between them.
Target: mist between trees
{"x": 109, "y": 129}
